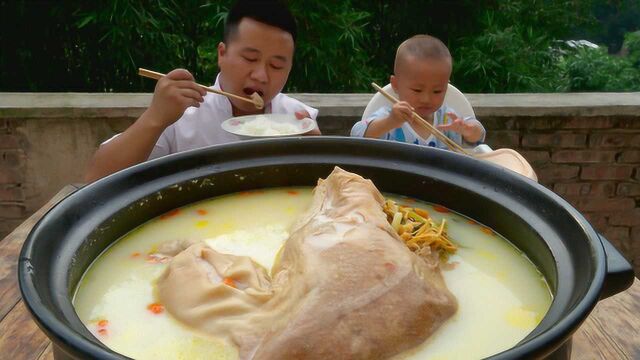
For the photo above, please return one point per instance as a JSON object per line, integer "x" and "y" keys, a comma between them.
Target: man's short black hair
{"x": 270, "y": 12}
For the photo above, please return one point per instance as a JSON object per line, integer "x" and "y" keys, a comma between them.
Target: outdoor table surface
{"x": 612, "y": 330}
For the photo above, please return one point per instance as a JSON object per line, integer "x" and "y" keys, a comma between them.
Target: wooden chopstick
{"x": 255, "y": 99}
{"x": 432, "y": 129}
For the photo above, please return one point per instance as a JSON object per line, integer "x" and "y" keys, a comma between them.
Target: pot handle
{"x": 620, "y": 275}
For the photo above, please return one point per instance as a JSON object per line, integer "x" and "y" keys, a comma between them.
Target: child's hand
{"x": 469, "y": 130}
{"x": 304, "y": 114}
{"x": 173, "y": 94}
{"x": 400, "y": 113}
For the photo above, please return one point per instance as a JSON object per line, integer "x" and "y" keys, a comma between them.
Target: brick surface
{"x": 604, "y": 205}
{"x": 559, "y": 140}
{"x": 120, "y": 124}
{"x": 10, "y": 192}
{"x": 9, "y": 141}
{"x": 620, "y": 237}
{"x": 625, "y": 218}
{"x": 631, "y": 156}
{"x": 557, "y": 172}
{"x": 617, "y": 140}
{"x": 632, "y": 122}
{"x": 536, "y": 123}
{"x": 599, "y": 189}
{"x": 634, "y": 254}
{"x": 7, "y": 226}
{"x": 583, "y": 156}
{"x": 606, "y": 172}
{"x": 537, "y": 157}
{"x": 597, "y": 220}
{"x": 597, "y": 122}
{"x": 6, "y": 130}
{"x": 337, "y": 125}
{"x": 10, "y": 175}
{"x": 500, "y": 139}
{"x": 12, "y": 211}
{"x": 546, "y": 183}
{"x": 628, "y": 189}
{"x": 12, "y": 158}
{"x": 498, "y": 123}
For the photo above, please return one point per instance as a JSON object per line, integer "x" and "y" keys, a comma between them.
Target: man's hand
{"x": 173, "y": 94}
{"x": 304, "y": 114}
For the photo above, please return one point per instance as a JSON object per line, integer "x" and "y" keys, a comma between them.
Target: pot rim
{"x": 71, "y": 340}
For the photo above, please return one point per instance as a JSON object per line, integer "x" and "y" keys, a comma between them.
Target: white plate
{"x": 268, "y": 125}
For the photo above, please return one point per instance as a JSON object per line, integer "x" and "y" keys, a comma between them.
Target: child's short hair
{"x": 270, "y": 12}
{"x": 422, "y": 47}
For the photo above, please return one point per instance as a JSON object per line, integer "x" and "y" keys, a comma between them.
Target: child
{"x": 255, "y": 56}
{"x": 421, "y": 75}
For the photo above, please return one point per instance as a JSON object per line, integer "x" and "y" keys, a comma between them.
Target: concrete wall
{"x": 585, "y": 147}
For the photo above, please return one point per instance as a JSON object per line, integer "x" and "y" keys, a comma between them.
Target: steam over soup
{"x": 496, "y": 286}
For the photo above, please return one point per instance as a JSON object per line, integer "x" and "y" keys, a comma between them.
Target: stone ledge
{"x": 112, "y": 105}
{"x": 73, "y": 105}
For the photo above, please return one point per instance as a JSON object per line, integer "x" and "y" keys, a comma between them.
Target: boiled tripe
{"x": 344, "y": 286}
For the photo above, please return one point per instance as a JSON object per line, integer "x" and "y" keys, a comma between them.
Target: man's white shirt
{"x": 200, "y": 127}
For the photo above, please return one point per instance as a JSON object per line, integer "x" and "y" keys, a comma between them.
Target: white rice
{"x": 263, "y": 126}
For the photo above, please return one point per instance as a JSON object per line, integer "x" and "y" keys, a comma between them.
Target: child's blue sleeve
{"x": 360, "y": 128}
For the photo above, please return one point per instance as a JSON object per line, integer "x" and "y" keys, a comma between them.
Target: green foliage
{"x": 632, "y": 44}
{"x": 392, "y": 22}
{"x": 615, "y": 18}
{"x": 589, "y": 69}
{"x": 160, "y": 35}
{"x": 512, "y": 52}
{"x": 330, "y": 56}
{"x": 498, "y": 46}
{"x": 504, "y": 60}
{"x": 105, "y": 42}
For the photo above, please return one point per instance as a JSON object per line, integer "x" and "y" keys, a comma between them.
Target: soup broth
{"x": 497, "y": 287}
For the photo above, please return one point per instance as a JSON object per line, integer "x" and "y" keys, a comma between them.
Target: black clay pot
{"x": 580, "y": 266}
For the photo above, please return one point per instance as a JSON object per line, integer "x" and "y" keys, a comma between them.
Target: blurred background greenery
{"x": 498, "y": 45}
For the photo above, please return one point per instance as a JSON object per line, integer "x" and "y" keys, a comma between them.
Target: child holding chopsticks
{"x": 421, "y": 75}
